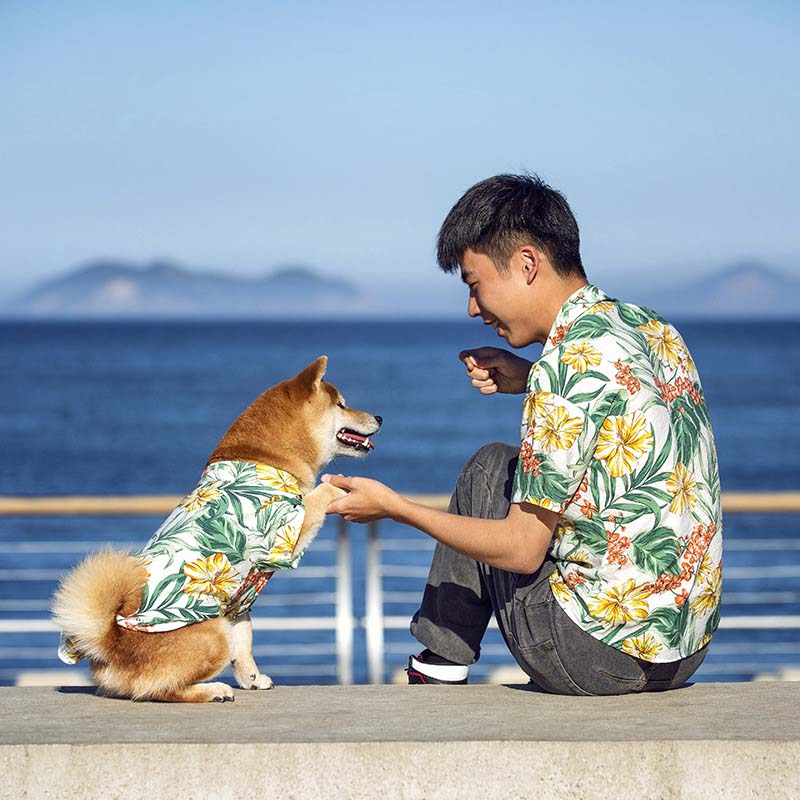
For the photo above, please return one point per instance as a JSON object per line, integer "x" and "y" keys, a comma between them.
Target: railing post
{"x": 374, "y": 602}
{"x": 344, "y": 606}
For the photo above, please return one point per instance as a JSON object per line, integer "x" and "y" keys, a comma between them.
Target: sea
{"x": 135, "y": 407}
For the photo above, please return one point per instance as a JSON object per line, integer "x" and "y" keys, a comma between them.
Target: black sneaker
{"x": 416, "y": 675}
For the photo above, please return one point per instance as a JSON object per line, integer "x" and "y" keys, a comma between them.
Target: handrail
{"x": 147, "y": 505}
{"x": 375, "y": 622}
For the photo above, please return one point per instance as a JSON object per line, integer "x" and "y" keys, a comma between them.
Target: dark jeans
{"x": 462, "y": 594}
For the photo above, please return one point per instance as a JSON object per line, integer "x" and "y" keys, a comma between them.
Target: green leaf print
{"x": 163, "y": 593}
{"x": 549, "y": 482}
{"x": 613, "y": 404}
{"x": 220, "y": 535}
{"x": 670, "y": 622}
{"x": 686, "y": 429}
{"x": 589, "y": 326}
{"x": 634, "y": 317}
{"x": 591, "y": 534}
{"x": 656, "y": 552}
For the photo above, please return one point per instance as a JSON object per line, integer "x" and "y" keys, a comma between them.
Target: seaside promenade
{"x": 702, "y": 741}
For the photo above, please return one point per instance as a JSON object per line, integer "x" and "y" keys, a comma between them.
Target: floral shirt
{"x": 216, "y": 551}
{"x": 616, "y": 438}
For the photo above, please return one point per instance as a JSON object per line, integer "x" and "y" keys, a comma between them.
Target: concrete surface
{"x": 705, "y": 740}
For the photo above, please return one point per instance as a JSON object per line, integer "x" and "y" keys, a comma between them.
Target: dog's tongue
{"x": 365, "y": 440}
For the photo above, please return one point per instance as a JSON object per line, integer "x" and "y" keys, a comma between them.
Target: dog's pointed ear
{"x": 311, "y": 376}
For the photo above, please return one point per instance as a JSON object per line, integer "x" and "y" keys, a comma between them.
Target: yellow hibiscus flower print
{"x": 277, "y": 479}
{"x": 213, "y": 576}
{"x": 603, "y": 307}
{"x": 682, "y": 486}
{"x": 622, "y": 441}
{"x": 559, "y": 588}
{"x": 621, "y": 603}
{"x": 664, "y": 342}
{"x": 709, "y": 598}
{"x": 537, "y": 405}
{"x": 580, "y": 356}
{"x": 199, "y": 497}
{"x": 285, "y": 541}
{"x": 645, "y": 647}
{"x": 557, "y": 431}
{"x": 704, "y": 570}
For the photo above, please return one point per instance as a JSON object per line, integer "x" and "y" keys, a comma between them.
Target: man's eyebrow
{"x": 465, "y": 276}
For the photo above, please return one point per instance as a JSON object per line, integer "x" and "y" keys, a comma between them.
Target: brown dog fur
{"x": 291, "y": 426}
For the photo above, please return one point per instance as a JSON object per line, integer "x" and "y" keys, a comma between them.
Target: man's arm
{"x": 517, "y": 543}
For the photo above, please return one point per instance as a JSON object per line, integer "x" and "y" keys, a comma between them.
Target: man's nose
{"x": 473, "y": 310}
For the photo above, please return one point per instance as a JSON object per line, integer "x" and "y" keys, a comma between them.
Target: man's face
{"x": 499, "y": 299}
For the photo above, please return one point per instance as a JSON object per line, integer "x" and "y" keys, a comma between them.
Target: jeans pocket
{"x": 534, "y": 647}
{"x": 597, "y": 668}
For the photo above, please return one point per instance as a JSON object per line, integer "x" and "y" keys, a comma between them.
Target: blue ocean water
{"x": 136, "y": 407}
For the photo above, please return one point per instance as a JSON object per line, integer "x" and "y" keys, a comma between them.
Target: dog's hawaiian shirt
{"x": 216, "y": 551}
{"x": 616, "y": 438}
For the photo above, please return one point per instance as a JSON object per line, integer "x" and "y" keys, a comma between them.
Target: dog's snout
{"x": 379, "y": 420}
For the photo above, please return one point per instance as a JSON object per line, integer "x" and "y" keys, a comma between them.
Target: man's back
{"x": 616, "y": 437}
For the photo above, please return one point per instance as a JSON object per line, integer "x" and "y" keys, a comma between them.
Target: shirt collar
{"x": 574, "y": 307}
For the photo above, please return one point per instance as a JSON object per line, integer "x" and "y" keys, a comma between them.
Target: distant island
{"x": 113, "y": 289}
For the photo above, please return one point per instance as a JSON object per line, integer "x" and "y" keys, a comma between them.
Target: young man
{"x": 596, "y": 543}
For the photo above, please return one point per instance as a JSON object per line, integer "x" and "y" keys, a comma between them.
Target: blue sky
{"x": 243, "y": 135}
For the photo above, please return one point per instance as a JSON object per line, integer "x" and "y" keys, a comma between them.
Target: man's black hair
{"x": 502, "y": 213}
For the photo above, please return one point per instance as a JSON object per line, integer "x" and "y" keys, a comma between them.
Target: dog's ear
{"x": 311, "y": 376}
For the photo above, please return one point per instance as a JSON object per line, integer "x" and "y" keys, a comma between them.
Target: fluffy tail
{"x": 87, "y": 602}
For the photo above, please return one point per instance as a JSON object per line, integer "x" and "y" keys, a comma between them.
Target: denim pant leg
{"x": 458, "y": 600}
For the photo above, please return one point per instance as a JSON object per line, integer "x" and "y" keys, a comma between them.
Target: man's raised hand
{"x": 494, "y": 370}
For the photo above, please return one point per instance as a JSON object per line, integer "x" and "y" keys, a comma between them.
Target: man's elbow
{"x": 527, "y": 562}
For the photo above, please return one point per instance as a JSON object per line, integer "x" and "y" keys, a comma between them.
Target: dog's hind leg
{"x": 197, "y": 693}
{"x": 244, "y": 666}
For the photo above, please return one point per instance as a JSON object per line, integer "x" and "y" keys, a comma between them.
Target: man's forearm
{"x": 502, "y": 543}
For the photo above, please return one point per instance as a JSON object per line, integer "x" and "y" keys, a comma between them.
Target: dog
{"x": 158, "y": 624}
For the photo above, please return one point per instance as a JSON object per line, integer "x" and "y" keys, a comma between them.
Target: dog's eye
{"x": 341, "y": 404}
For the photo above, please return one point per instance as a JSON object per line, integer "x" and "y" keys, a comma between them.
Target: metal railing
{"x": 342, "y": 622}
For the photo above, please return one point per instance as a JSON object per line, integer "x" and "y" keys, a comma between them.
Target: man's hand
{"x": 366, "y": 499}
{"x": 494, "y": 370}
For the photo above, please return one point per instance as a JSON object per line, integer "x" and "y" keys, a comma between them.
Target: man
{"x": 596, "y": 543}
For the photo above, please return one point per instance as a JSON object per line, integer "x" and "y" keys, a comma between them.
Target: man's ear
{"x": 530, "y": 262}
{"x": 311, "y": 376}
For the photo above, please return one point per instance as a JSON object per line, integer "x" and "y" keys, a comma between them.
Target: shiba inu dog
{"x": 157, "y": 624}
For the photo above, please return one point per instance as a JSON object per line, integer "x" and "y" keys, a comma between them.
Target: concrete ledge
{"x": 706, "y": 740}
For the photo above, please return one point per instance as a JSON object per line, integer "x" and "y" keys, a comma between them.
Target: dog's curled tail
{"x": 86, "y": 604}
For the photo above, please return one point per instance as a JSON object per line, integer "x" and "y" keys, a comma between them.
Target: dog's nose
{"x": 380, "y": 419}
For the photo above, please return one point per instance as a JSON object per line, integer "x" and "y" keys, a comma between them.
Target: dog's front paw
{"x": 256, "y": 681}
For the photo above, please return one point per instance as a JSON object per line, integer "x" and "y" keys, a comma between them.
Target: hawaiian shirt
{"x": 216, "y": 551}
{"x": 616, "y": 438}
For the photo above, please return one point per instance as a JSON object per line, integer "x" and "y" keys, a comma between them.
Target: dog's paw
{"x": 220, "y": 693}
{"x": 256, "y": 681}
{"x": 324, "y": 493}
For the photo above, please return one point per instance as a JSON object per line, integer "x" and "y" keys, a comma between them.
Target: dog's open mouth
{"x": 356, "y": 440}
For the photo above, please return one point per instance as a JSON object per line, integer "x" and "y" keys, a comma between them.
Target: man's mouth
{"x": 352, "y": 439}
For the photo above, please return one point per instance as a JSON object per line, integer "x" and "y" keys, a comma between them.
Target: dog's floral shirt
{"x": 216, "y": 551}
{"x": 616, "y": 438}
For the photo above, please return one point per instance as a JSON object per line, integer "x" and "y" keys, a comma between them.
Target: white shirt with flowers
{"x": 616, "y": 438}
{"x": 217, "y": 549}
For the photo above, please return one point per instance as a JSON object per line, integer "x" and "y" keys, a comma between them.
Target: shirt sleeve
{"x": 558, "y": 440}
